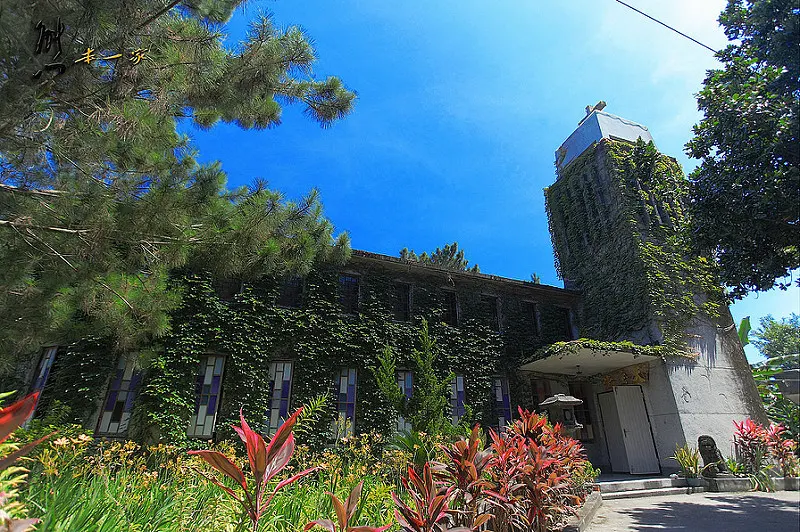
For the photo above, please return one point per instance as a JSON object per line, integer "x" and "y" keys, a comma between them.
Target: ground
{"x": 728, "y": 512}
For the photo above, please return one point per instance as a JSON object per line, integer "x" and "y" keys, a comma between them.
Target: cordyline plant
{"x": 430, "y": 511}
{"x": 530, "y": 471}
{"x": 266, "y": 461}
{"x": 345, "y": 514}
{"x": 464, "y": 468}
{"x": 782, "y": 449}
{"x": 11, "y": 418}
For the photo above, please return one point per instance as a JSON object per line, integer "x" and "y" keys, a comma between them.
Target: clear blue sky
{"x": 460, "y": 108}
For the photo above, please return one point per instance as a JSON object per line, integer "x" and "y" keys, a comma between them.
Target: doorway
{"x": 626, "y": 426}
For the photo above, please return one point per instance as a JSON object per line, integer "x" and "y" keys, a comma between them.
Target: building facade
{"x": 640, "y": 335}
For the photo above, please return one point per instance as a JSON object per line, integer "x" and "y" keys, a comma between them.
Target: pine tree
{"x": 426, "y": 408}
{"x": 101, "y": 197}
{"x": 449, "y": 257}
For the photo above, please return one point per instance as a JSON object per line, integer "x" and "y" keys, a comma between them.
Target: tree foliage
{"x": 101, "y": 196}
{"x": 779, "y": 339}
{"x": 449, "y": 257}
{"x": 745, "y": 197}
{"x": 426, "y": 408}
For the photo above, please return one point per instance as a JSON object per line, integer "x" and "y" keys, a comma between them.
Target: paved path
{"x": 700, "y": 512}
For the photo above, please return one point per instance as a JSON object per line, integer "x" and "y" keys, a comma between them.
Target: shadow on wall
{"x": 730, "y": 513}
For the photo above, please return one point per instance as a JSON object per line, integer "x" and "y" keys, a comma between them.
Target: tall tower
{"x": 618, "y": 229}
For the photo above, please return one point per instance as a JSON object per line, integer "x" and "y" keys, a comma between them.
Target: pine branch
{"x": 26, "y": 225}
{"x": 30, "y": 191}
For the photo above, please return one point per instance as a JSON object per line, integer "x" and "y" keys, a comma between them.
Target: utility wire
{"x": 666, "y": 25}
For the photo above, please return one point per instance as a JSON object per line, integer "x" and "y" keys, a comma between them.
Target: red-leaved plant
{"x": 345, "y": 513}
{"x": 753, "y": 442}
{"x": 530, "y": 471}
{"x": 782, "y": 449}
{"x": 266, "y": 461}
{"x": 749, "y": 440}
{"x": 430, "y": 511}
{"x": 464, "y": 467}
{"x": 11, "y": 418}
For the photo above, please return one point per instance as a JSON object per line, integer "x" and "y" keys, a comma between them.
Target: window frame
{"x": 458, "y": 403}
{"x": 341, "y": 413}
{"x": 400, "y": 297}
{"x": 452, "y": 316}
{"x": 493, "y": 321}
{"x": 283, "y": 403}
{"x": 44, "y": 367}
{"x": 297, "y": 301}
{"x": 504, "y": 400}
{"x": 405, "y": 381}
{"x": 534, "y": 312}
{"x": 340, "y": 295}
{"x": 200, "y": 378}
{"x": 123, "y": 388}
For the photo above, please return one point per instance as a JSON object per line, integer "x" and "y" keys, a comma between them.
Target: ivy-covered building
{"x": 640, "y": 332}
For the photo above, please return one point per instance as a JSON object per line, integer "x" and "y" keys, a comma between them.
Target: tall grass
{"x": 77, "y": 485}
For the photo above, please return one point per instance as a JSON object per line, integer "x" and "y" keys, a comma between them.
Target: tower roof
{"x": 596, "y": 126}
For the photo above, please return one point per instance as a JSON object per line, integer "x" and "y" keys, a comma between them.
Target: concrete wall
{"x": 716, "y": 389}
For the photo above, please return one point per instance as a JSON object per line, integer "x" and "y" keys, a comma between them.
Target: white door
{"x": 613, "y": 431}
{"x": 636, "y": 433}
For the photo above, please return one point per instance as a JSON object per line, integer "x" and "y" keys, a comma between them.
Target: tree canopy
{"x": 449, "y": 257}
{"x": 745, "y": 195}
{"x": 779, "y": 339}
{"x": 101, "y": 195}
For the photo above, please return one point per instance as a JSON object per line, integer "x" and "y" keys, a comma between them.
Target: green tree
{"x": 779, "y": 340}
{"x": 426, "y": 408}
{"x": 745, "y": 195}
{"x": 101, "y": 196}
{"x": 449, "y": 257}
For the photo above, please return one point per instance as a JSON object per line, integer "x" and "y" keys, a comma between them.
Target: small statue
{"x": 713, "y": 462}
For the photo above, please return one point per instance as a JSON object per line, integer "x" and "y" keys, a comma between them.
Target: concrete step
{"x": 654, "y": 492}
{"x": 639, "y": 484}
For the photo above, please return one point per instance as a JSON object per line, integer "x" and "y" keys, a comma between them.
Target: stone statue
{"x": 713, "y": 462}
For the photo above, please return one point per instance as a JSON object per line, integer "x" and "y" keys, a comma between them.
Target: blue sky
{"x": 460, "y": 108}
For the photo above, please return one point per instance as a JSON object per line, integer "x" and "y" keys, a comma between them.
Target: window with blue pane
{"x": 346, "y": 402}
{"x": 43, "y": 371}
{"x": 502, "y": 401}
{"x": 120, "y": 397}
{"x": 208, "y": 388}
{"x": 458, "y": 397}
{"x": 280, "y": 393}
{"x": 405, "y": 380}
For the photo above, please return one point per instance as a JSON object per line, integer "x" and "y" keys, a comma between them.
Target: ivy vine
{"x": 619, "y": 230}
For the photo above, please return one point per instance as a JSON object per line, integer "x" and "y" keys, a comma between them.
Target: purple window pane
{"x": 42, "y": 380}
{"x": 111, "y": 401}
{"x": 351, "y": 392}
{"x": 284, "y": 409}
{"x": 132, "y": 388}
{"x": 285, "y": 391}
{"x": 117, "y": 380}
{"x": 212, "y": 405}
{"x": 351, "y": 411}
{"x": 215, "y": 384}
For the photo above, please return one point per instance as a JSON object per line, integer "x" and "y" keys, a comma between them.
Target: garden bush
{"x": 527, "y": 477}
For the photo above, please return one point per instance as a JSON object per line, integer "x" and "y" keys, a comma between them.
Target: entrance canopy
{"x": 586, "y": 361}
